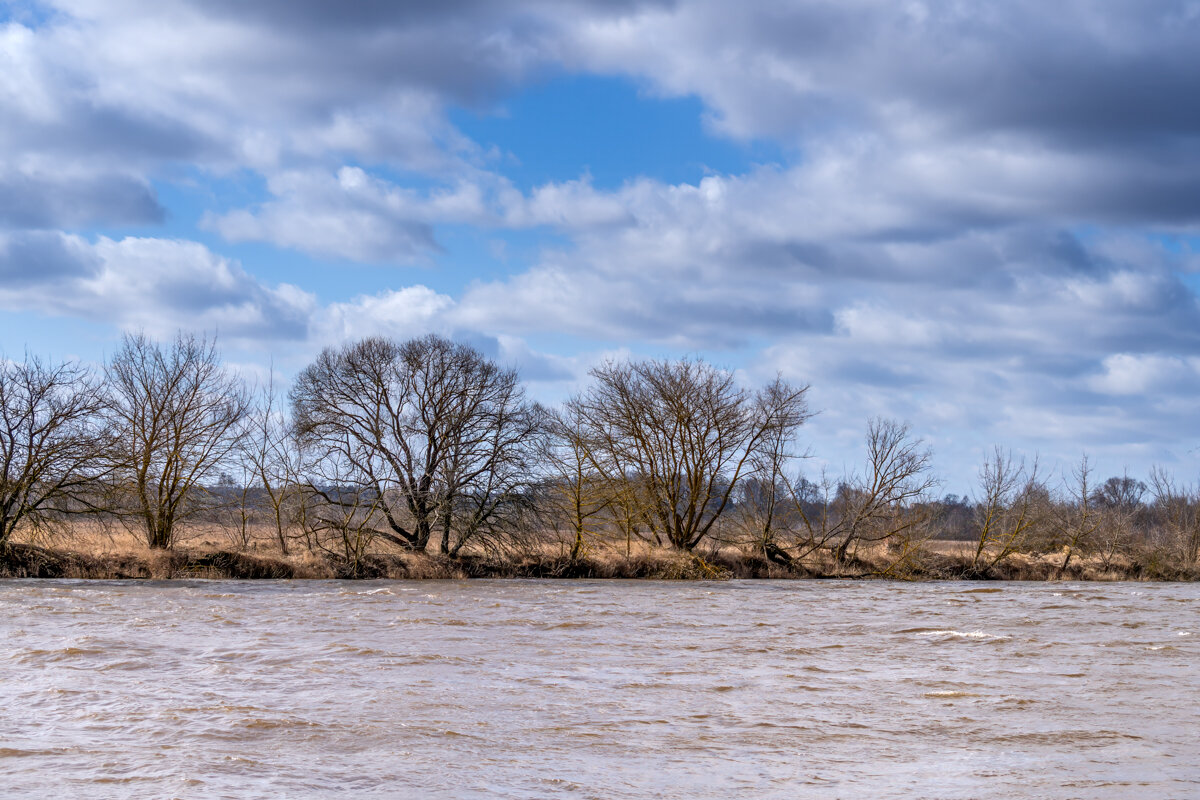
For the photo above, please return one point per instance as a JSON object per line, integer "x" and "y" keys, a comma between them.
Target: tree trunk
{"x": 1063, "y": 569}
{"x": 445, "y": 548}
{"x": 283, "y": 548}
{"x": 775, "y": 553}
{"x": 423, "y": 533}
{"x": 843, "y": 548}
{"x": 159, "y": 535}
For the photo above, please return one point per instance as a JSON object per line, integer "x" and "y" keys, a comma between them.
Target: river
{"x": 593, "y": 689}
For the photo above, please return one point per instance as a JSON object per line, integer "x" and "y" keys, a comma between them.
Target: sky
{"x": 979, "y": 218}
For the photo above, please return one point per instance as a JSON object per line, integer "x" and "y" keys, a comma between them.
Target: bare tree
{"x": 354, "y": 410}
{"x": 897, "y": 477}
{"x": 336, "y": 515}
{"x": 1078, "y": 518}
{"x": 880, "y": 505}
{"x": 1120, "y": 491}
{"x": 178, "y": 415}
{"x": 1008, "y": 511}
{"x": 768, "y": 501}
{"x": 1177, "y": 508}
{"x": 272, "y": 462}
{"x": 52, "y": 441}
{"x": 1123, "y": 515}
{"x": 681, "y": 435}
{"x": 576, "y": 495}
{"x": 431, "y": 427}
{"x": 491, "y": 467}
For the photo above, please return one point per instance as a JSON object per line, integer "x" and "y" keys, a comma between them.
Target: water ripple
{"x": 527, "y": 689}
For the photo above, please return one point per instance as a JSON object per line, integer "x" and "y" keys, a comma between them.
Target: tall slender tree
{"x": 178, "y": 415}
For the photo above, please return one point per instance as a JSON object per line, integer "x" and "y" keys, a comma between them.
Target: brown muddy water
{"x": 529, "y": 689}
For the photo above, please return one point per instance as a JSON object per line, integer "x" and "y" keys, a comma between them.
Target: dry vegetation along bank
{"x": 206, "y": 554}
{"x": 425, "y": 459}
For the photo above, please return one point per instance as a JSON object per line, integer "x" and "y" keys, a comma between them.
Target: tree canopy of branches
{"x": 52, "y": 442}
{"x": 879, "y": 505}
{"x": 1120, "y": 492}
{"x": 271, "y": 463}
{"x": 428, "y": 444}
{"x": 178, "y": 415}
{"x": 1177, "y": 508}
{"x": 1011, "y": 507}
{"x": 439, "y": 433}
{"x": 575, "y": 495}
{"x": 1077, "y": 520}
{"x": 680, "y": 435}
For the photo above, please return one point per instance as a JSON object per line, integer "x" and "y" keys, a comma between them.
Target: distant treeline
{"x": 429, "y": 446}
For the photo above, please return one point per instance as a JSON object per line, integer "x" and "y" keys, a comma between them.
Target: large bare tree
{"x": 52, "y": 442}
{"x": 178, "y": 416}
{"x": 681, "y": 435}
{"x": 433, "y": 428}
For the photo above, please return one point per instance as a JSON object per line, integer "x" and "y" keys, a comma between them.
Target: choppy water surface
{"x": 598, "y": 690}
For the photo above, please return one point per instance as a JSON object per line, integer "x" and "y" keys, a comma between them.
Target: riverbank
{"x": 941, "y": 561}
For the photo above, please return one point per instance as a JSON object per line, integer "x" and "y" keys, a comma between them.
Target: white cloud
{"x": 978, "y": 222}
{"x": 1139, "y": 374}
{"x": 346, "y": 216}
{"x": 401, "y": 314}
{"x": 159, "y": 285}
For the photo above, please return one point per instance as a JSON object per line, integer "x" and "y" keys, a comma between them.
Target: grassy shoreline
{"x": 205, "y": 560}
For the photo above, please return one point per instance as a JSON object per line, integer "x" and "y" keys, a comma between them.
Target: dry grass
{"x": 93, "y": 550}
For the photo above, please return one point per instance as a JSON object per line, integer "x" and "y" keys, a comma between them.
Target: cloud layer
{"x": 982, "y": 218}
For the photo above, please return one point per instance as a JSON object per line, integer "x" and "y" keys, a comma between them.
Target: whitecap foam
{"x": 962, "y": 634}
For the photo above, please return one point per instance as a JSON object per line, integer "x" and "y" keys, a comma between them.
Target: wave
{"x": 959, "y": 634}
